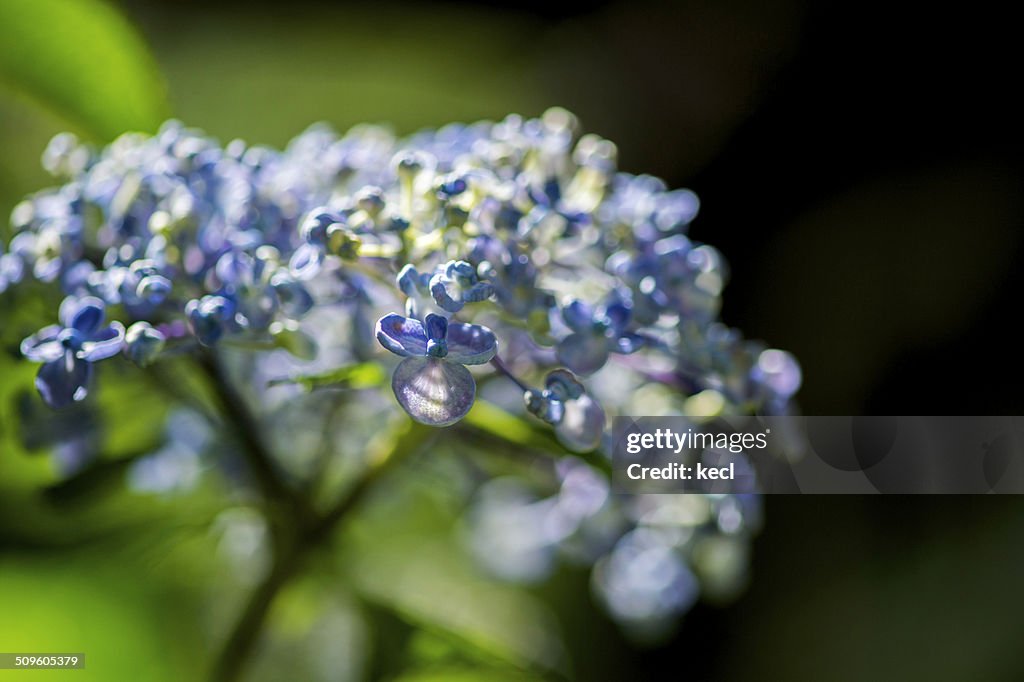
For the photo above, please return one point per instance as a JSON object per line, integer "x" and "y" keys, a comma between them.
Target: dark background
{"x": 859, "y": 165}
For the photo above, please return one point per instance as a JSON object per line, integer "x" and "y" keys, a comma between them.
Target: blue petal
{"x": 433, "y": 391}
{"x": 439, "y": 291}
{"x": 616, "y": 315}
{"x": 402, "y": 335}
{"x": 235, "y": 267}
{"x": 562, "y": 385}
{"x": 582, "y": 425}
{"x": 544, "y": 406}
{"x": 43, "y": 346}
{"x": 578, "y": 315}
{"x": 64, "y": 381}
{"x": 11, "y": 270}
{"x": 47, "y": 269}
{"x": 295, "y": 299}
{"x": 305, "y": 262}
{"x": 778, "y": 371}
{"x": 104, "y": 344}
{"x": 436, "y": 327}
{"x": 83, "y": 314}
{"x": 481, "y": 291}
{"x": 143, "y": 343}
{"x": 153, "y": 289}
{"x": 583, "y": 353}
{"x": 460, "y": 269}
{"x": 208, "y": 317}
{"x": 409, "y": 280}
{"x": 470, "y": 344}
{"x": 314, "y": 227}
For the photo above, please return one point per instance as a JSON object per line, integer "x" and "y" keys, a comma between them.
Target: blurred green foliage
{"x": 83, "y": 59}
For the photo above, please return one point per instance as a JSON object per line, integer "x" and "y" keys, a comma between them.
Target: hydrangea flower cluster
{"x": 494, "y": 254}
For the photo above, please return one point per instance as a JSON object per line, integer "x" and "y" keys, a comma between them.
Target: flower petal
{"x": 444, "y": 300}
{"x": 481, "y": 291}
{"x": 305, "y": 262}
{"x": 583, "y": 353}
{"x": 433, "y": 391}
{"x": 470, "y": 344}
{"x": 294, "y": 298}
{"x": 616, "y": 315}
{"x": 43, "y": 346}
{"x": 402, "y": 335}
{"x": 582, "y": 425}
{"x": 578, "y": 315}
{"x": 64, "y": 381}
{"x": 83, "y": 314}
{"x": 104, "y": 344}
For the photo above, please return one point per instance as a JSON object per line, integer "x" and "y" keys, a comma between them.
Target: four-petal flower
{"x": 67, "y": 350}
{"x": 432, "y": 383}
{"x": 596, "y": 333}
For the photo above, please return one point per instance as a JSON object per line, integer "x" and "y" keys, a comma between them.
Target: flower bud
{"x": 143, "y": 343}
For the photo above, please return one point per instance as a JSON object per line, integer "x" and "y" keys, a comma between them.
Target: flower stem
{"x": 497, "y": 363}
{"x": 247, "y": 430}
{"x": 302, "y": 529}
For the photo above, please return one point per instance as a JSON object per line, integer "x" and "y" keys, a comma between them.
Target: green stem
{"x": 258, "y": 457}
{"x": 235, "y": 652}
{"x": 309, "y": 530}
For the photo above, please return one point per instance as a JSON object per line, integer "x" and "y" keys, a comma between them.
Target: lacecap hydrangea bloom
{"x": 504, "y": 262}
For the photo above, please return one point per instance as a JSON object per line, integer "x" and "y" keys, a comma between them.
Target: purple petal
{"x": 83, "y": 314}
{"x": 441, "y": 296}
{"x": 47, "y": 269}
{"x": 578, "y": 315}
{"x": 43, "y": 346}
{"x": 104, "y": 344}
{"x": 582, "y": 425}
{"x": 234, "y": 268}
{"x": 402, "y": 335}
{"x": 433, "y": 391}
{"x": 64, "y": 381}
{"x": 778, "y": 370}
{"x": 480, "y": 291}
{"x": 616, "y": 315}
{"x": 583, "y": 353}
{"x": 470, "y": 344}
{"x": 436, "y": 327}
{"x": 306, "y": 261}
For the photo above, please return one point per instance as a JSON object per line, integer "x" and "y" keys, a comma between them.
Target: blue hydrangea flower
{"x": 673, "y": 274}
{"x": 456, "y": 283}
{"x": 578, "y": 418}
{"x": 432, "y": 383}
{"x": 11, "y": 270}
{"x": 143, "y": 343}
{"x": 209, "y": 317}
{"x": 596, "y": 333}
{"x": 67, "y": 350}
{"x": 416, "y": 287}
{"x": 512, "y": 274}
{"x": 239, "y": 241}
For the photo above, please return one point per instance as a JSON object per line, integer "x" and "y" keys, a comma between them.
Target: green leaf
{"x": 82, "y": 59}
{"x": 428, "y": 583}
{"x": 363, "y": 375}
{"x": 491, "y": 419}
